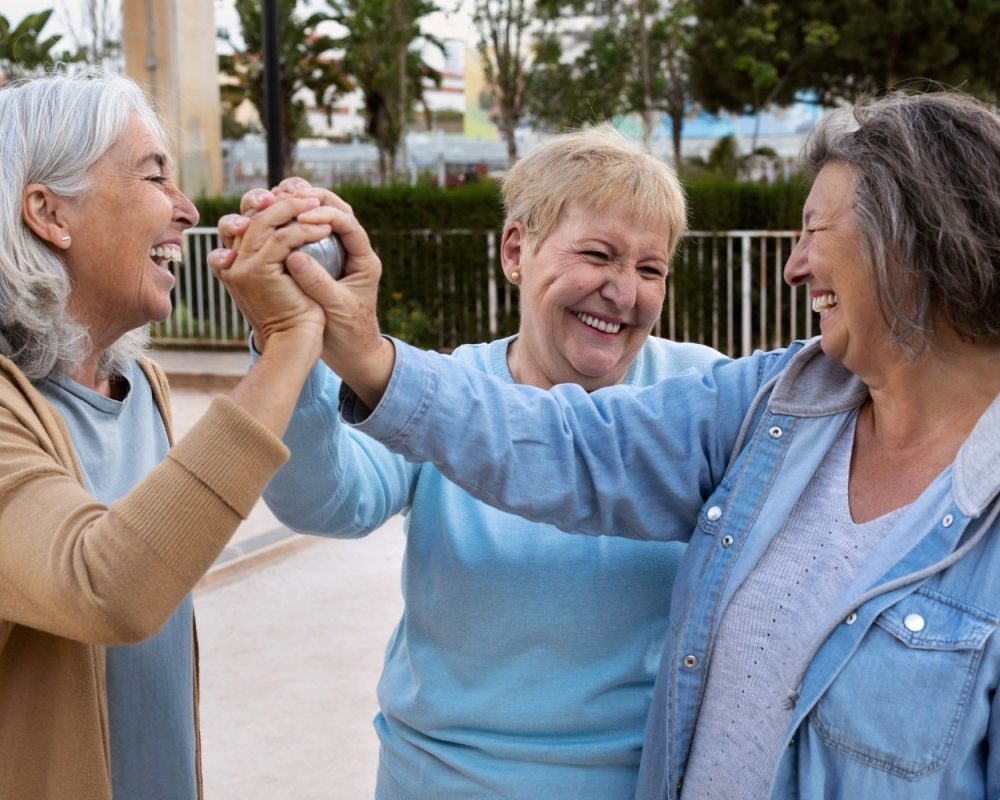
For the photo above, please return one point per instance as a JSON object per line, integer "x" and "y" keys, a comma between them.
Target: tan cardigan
{"x": 76, "y": 576}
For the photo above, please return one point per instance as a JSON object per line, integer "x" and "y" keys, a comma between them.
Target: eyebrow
{"x": 160, "y": 159}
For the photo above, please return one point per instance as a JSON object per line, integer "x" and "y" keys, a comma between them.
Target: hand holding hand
{"x": 254, "y": 274}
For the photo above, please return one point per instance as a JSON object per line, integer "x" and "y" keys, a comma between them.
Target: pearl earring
{"x": 64, "y": 238}
{"x": 515, "y": 276}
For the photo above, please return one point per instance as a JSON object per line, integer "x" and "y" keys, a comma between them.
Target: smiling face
{"x": 125, "y": 229}
{"x": 590, "y": 295}
{"x": 829, "y": 258}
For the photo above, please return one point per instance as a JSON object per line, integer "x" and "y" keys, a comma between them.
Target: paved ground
{"x": 292, "y": 631}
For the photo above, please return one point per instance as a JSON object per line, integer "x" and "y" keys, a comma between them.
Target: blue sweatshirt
{"x": 524, "y": 662}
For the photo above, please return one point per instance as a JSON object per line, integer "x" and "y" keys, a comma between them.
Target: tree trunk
{"x": 647, "y": 100}
{"x": 676, "y": 122}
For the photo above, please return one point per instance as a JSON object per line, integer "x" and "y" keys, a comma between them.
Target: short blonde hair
{"x": 597, "y": 167}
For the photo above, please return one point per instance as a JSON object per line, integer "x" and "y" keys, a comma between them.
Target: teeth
{"x": 594, "y": 322}
{"x": 824, "y": 302}
{"x": 166, "y": 252}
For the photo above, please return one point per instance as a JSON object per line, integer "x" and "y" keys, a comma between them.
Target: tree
{"x": 608, "y": 75}
{"x": 382, "y": 53}
{"x": 503, "y": 26}
{"x": 23, "y": 49}
{"x": 952, "y": 42}
{"x": 306, "y": 64}
{"x": 97, "y": 34}
{"x": 670, "y": 45}
{"x": 747, "y": 56}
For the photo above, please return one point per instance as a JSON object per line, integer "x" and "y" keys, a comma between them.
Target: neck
{"x": 941, "y": 394}
{"x": 86, "y": 375}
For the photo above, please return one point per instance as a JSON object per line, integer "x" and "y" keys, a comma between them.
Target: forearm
{"x": 632, "y": 463}
{"x": 271, "y": 388}
{"x": 336, "y": 482}
{"x": 82, "y": 570}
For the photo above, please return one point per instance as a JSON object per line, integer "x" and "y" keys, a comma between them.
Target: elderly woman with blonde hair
{"x": 833, "y": 625}
{"x": 105, "y": 522}
{"x": 523, "y": 664}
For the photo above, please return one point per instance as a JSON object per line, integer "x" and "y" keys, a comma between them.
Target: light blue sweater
{"x": 524, "y": 663}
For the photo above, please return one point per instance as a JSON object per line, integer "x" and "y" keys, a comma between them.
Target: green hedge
{"x": 434, "y": 286}
{"x": 714, "y": 204}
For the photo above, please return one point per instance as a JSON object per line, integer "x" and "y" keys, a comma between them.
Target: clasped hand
{"x": 281, "y": 291}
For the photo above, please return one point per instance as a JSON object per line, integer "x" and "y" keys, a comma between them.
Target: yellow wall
{"x": 170, "y": 50}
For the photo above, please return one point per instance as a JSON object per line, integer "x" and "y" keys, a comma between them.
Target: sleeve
{"x": 634, "y": 462}
{"x": 113, "y": 575}
{"x": 337, "y": 482}
{"x": 993, "y": 749}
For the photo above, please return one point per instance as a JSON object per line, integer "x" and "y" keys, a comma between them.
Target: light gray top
{"x": 767, "y": 635}
{"x": 149, "y": 685}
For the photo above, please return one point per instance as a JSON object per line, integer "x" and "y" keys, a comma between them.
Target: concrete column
{"x": 169, "y": 49}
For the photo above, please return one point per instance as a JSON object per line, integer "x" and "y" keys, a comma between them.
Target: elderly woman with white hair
{"x": 105, "y": 522}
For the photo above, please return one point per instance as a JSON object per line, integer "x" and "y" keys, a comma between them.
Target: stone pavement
{"x": 292, "y": 630}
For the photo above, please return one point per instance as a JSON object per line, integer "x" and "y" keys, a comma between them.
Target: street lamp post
{"x": 272, "y": 92}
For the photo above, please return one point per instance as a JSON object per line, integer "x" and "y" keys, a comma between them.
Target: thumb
{"x": 312, "y": 278}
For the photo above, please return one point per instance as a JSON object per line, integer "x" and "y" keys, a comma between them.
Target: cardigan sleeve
{"x": 112, "y": 575}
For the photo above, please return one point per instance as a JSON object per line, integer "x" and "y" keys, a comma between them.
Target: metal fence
{"x": 442, "y": 288}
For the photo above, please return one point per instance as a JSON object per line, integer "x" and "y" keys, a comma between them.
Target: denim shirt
{"x": 897, "y": 699}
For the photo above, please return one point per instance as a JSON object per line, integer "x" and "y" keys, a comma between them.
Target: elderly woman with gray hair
{"x": 833, "y": 624}
{"x": 105, "y": 522}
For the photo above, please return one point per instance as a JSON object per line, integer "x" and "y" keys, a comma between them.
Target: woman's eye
{"x": 596, "y": 256}
{"x": 157, "y": 178}
{"x": 651, "y": 271}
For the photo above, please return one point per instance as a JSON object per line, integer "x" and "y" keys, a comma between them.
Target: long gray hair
{"x": 52, "y": 130}
{"x": 927, "y": 204}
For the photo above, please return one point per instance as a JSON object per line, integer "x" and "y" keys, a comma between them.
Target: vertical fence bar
{"x": 746, "y": 296}
{"x": 491, "y": 282}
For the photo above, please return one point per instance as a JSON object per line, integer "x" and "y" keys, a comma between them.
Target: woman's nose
{"x": 619, "y": 288}
{"x": 185, "y": 211}
{"x": 796, "y": 268}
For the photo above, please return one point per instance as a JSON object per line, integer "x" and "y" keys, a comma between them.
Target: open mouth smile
{"x": 165, "y": 253}
{"x": 598, "y": 324}
{"x": 824, "y": 302}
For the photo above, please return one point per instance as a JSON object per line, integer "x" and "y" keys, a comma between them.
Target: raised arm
{"x": 634, "y": 462}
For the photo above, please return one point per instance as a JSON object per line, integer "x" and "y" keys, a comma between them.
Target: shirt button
{"x": 690, "y": 661}
{"x": 713, "y": 514}
{"x": 914, "y": 623}
{"x": 948, "y": 520}
{"x": 727, "y": 541}
{"x": 851, "y": 618}
{"x": 774, "y": 432}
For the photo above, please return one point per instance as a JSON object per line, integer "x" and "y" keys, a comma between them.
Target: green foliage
{"x": 719, "y": 203}
{"x": 715, "y": 202}
{"x": 24, "y": 50}
{"x": 747, "y": 55}
{"x": 951, "y": 42}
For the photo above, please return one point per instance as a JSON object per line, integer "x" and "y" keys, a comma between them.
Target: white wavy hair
{"x": 52, "y": 130}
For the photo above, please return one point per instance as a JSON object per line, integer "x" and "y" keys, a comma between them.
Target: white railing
{"x": 725, "y": 290}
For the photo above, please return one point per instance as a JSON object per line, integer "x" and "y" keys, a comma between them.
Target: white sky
{"x": 453, "y": 25}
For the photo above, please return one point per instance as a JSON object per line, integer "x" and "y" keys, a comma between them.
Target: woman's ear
{"x": 43, "y": 212}
{"x": 512, "y": 249}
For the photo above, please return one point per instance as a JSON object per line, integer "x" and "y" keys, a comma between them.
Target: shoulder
{"x": 484, "y": 356}
{"x": 661, "y": 358}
